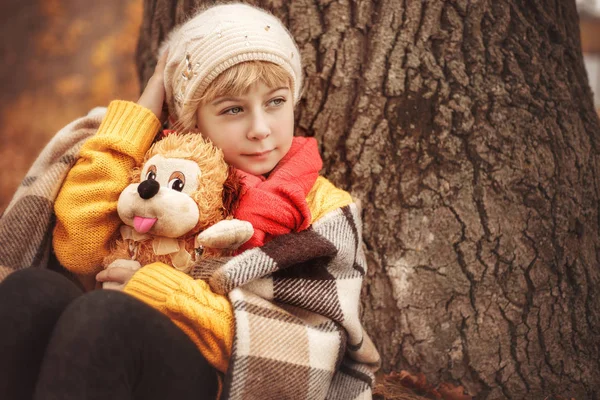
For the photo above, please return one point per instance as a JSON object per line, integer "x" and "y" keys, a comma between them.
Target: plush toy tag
{"x": 163, "y": 245}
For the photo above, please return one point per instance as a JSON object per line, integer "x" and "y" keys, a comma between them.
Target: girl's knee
{"x": 37, "y": 287}
{"x": 105, "y": 309}
{"x": 28, "y": 277}
{"x": 103, "y": 325}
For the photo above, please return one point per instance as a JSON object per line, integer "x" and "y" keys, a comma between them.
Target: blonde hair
{"x": 238, "y": 80}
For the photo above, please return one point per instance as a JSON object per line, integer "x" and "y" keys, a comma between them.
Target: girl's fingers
{"x": 161, "y": 63}
{"x": 153, "y": 96}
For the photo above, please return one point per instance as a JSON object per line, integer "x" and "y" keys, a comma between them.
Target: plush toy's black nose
{"x": 148, "y": 189}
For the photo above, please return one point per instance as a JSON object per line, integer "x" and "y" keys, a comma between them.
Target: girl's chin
{"x": 256, "y": 168}
{"x": 257, "y": 171}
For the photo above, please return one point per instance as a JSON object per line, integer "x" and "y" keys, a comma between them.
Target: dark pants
{"x": 57, "y": 343}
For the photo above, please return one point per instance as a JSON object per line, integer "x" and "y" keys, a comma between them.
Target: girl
{"x": 233, "y": 74}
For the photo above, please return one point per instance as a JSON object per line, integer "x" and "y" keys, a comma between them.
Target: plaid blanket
{"x": 296, "y": 302}
{"x": 26, "y": 224}
{"x": 296, "y": 299}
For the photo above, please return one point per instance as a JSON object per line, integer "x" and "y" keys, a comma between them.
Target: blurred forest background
{"x": 61, "y": 58}
{"x": 58, "y": 60}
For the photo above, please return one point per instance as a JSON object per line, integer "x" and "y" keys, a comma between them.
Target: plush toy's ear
{"x": 232, "y": 191}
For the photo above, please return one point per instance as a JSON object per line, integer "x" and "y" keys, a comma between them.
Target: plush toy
{"x": 179, "y": 208}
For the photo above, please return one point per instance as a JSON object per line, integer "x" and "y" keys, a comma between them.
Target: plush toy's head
{"x": 183, "y": 187}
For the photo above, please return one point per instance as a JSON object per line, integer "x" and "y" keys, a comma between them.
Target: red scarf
{"x": 277, "y": 205}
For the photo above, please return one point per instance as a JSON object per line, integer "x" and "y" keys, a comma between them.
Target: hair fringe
{"x": 240, "y": 78}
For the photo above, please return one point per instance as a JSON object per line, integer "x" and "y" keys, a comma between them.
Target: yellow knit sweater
{"x": 87, "y": 223}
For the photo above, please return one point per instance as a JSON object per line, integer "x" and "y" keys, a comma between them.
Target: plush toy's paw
{"x": 121, "y": 263}
{"x": 226, "y": 234}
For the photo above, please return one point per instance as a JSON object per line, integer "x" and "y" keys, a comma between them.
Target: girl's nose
{"x": 260, "y": 127}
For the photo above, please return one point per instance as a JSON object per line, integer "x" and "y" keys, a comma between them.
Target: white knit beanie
{"x": 216, "y": 39}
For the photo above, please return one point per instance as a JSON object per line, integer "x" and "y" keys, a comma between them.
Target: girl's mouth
{"x": 259, "y": 155}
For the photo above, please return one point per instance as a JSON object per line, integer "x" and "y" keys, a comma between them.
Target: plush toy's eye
{"x": 176, "y": 181}
{"x": 151, "y": 174}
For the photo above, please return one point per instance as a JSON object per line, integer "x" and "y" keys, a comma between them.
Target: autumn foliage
{"x": 77, "y": 56}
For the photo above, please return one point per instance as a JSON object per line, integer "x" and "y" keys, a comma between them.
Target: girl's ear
{"x": 232, "y": 191}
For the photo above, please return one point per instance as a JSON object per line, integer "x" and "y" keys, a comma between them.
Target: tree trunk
{"x": 467, "y": 131}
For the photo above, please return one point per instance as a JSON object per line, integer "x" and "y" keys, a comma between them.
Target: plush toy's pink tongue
{"x": 143, "y": 225}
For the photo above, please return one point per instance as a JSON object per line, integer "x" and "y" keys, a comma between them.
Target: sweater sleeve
{"x": 206, "y": 317}
{"x": 325, "y": 197}
{"x": 86, "y": 206}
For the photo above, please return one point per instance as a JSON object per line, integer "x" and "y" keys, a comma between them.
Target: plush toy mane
{"x": 210, "y": 195}
{"x": 217, "y": 195}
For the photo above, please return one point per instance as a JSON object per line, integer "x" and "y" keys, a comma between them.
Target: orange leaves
{"x": 407, "y": 386}
{"x": 451, "y": 392}
{"x": 417, "y": 382}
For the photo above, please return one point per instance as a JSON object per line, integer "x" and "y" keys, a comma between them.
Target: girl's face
{"x": 254, "y": 130}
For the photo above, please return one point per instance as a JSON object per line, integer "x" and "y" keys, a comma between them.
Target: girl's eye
{"x": 233, "y": 111}
{"x": 277, "y": 102}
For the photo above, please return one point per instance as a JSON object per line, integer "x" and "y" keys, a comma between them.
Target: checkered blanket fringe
{"x": 296, "y": 302}
{"x": 26, "y": 224}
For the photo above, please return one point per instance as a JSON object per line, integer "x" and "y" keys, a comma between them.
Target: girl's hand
{"x": 153, "y": 97}
{"x": 117, "y": 274}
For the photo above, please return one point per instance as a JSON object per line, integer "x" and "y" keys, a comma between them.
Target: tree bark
{"x": 467, "y": 131}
